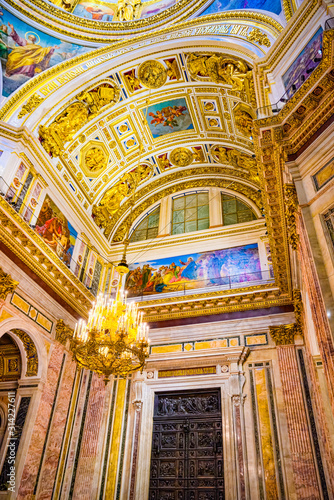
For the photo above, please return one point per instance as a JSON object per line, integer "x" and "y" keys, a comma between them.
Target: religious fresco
{"x": 56, "y": 231}
{"x": 168, "y": 117}
{"x": 221, "y": 5}
{"x": 196, "y": 270}
{"x": 123, "y": 10}
{"x": 298, "y": 71}
{"x": 26, "y": 51}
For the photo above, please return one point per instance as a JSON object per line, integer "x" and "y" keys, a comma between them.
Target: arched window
{"x": 235, "y": 211}
{"x": 190, "y": 212}
{"x": 148, "y": 227}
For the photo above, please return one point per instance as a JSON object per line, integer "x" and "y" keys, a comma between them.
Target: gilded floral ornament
{"x": 181, "y": 157}
{"x": 259, "y": 37}
{"x": 63, "y": 332}
{"x": 31, "y": 104}
{"x": 152, "y": 74}
{"x": 7, "y": 284}
{"x": 298, "y": 308}
{"x": 31, "y": 352}
{"x": 291, "y": 207}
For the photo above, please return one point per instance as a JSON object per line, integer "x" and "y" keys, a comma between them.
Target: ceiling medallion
{"x": 152, "y": 74}
{"x": 181, "y": 157}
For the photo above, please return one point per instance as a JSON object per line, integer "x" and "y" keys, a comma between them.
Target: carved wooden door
{"x": 187, "y": 454}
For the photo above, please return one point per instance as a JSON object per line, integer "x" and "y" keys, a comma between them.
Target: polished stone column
{"x": 41, "y": 426}
{"x": 303, "y": 465}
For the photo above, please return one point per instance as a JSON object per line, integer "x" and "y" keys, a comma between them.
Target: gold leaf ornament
{"x": 181, "y": 157}
{"x": 152, "y": 74}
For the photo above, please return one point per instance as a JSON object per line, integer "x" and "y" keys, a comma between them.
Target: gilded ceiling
{"x": 147, "y": 121}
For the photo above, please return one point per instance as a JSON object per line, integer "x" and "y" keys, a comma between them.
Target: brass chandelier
{"x": 114, "y": 341}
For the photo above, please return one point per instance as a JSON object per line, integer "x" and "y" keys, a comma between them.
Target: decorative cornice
{"x": 218, "y": 305}
{"x": 7, "y": 284}
{"x": 39, "y": 257}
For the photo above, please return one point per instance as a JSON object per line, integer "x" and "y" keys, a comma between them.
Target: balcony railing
{"x": 233, "y": 282}
{"x": 302, "y": 76}
{"x": 16, "y": 202}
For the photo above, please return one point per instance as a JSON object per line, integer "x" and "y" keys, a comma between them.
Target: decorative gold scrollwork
{"x": 69, "y": 122}
{"x": 31, "y": 352}
{"x": 32, "y": 103}
{"x": 63, "y": 332}
{"x": 114, "y": 196}
{"x": 291, "y": 207}
{"x": 7, "y": 284}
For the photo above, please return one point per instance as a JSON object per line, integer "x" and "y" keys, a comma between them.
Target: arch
{"x": 31, "y": 345}
{"x": 120, "y": 223}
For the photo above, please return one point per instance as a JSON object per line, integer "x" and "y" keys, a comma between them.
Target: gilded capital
{"x": 7, "y": 284}
{"x": 63, "y": 332}
{"x": 283, "y": 334}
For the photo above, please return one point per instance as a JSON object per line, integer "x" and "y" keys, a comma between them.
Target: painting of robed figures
{"x": 56, "y": 231}
{"x": 198, "y": 270}
{"x": 26, "y": 51}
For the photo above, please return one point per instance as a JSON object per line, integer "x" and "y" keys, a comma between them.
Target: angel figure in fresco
{"x": 28, "y": 57}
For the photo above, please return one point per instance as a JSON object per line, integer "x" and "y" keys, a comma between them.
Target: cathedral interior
{"x": 166, "y": 308}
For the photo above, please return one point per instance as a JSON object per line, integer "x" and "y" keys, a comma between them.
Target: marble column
{"x": 33, "y": 458}
{"x": 53, "y": 445}
{"x": 304, "y": 469}
{"x": 137, "y": 403}
{"x": 84, "y": 487}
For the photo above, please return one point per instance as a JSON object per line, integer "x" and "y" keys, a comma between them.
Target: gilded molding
{"x": 7, "y": 284}
{"x": 221, "y": 305}
{"x": 31, "y": 352}
{"x": 37, "y": 255}
{"x": 132, "y": 27}
{"x": 63, "y": 332}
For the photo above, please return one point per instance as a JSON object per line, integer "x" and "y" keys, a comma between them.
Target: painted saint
{"x": 28, "y": 57}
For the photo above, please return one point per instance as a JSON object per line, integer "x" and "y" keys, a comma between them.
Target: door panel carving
{"x": 187, "y": 454}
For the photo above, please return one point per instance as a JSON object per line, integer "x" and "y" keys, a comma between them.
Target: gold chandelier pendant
{"x": 114, "y": 341}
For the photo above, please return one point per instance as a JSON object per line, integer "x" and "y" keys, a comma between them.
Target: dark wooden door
{"x": 187, "y": 454}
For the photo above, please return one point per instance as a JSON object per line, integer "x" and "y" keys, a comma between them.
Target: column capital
{"x": 283, "y": 334}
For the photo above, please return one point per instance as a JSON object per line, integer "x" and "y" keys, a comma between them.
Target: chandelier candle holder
{"x": 114, "y": 341}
